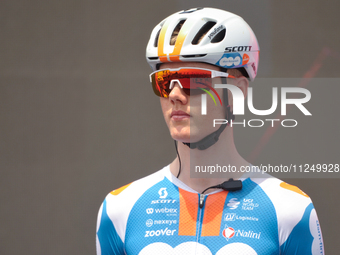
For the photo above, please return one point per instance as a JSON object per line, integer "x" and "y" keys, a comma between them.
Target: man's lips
{"x": 179, "y": 115}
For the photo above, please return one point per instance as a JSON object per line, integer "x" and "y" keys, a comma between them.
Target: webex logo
{"x": 238, "y": 105}
{"x": 161, "y": 210}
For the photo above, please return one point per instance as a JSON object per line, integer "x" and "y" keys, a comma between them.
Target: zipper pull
{"x": 202, "y": 200}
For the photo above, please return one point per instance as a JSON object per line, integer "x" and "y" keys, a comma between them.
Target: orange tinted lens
{"x": 192, "y": 80}
{"x": 160, "y": 84}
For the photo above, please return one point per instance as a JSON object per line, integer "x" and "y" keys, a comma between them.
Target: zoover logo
{"x": 239, "y": 102}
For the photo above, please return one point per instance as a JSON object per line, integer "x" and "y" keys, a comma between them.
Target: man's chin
{"x": 186, "y": 139}
{"x": 181, "y": 139}
{"x": 186, "y": 136}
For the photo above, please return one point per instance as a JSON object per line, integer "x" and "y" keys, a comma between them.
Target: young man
{"x": 168, "y": 212}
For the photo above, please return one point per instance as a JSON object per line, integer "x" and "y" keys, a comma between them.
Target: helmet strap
{"x": 212, "y": 138}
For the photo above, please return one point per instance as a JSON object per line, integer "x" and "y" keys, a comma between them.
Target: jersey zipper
{"x": 202, "y": 196}
{"x": 201, "y": 208}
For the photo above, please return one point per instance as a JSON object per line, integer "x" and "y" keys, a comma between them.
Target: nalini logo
{"x": 233, "y": 203}
{"x": 149, "y": 211}
{"x": 162, "y": 193}
{"x": 228, "y": 233}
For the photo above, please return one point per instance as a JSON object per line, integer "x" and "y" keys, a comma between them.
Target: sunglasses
{"x": 193, "y": 81}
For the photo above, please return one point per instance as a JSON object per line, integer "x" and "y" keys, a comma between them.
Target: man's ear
{"x": 242, "y": 83}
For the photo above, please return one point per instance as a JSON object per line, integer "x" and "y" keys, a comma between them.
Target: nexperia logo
{"x": 239, "y": 102}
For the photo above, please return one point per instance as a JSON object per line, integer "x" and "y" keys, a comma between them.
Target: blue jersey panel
{"x": 300, "y": 240}
{"x": 154, "y": 218}
{"x": 110, "y": 242}
{"x": 249, "y": 219}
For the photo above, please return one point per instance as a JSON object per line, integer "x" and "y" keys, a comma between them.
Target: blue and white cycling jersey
{"x": 161, "y": 215}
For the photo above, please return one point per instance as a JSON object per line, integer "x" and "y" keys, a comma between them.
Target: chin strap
{"x": 211, "y": 139}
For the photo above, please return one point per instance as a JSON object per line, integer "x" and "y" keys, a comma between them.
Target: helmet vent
{"x": 219, "y": 37}
{"x": 194, "y": 56}
{"x": 202, "y": 32}
{"x": 175, "y": 33}
{"x": 155, "y": 44}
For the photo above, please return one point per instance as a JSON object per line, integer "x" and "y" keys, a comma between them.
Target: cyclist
{"x": 169, "y": 212}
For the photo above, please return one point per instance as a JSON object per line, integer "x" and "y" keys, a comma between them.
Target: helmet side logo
{"x": 232, "y": 60}
{"x": 238, "y": 48}
{"x": 245, "y": 59}
{"x": 215, "y": 31}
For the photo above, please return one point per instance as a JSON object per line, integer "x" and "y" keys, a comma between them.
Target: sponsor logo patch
{"x": 215, "y": 31}
{"x": 149, "y": 223}
{"x": 238, "y": 48}
{"x": 162, "y": 193}
{"x": 149, "y": 211}
{"x": 234, "y": 217}
{"x": 165, "y": 201}
{"x": 161, "y": 232}
{"x": 164, "y": 222}
{"x": 229, "y": 232}
{"x": 249, "y": 204}
{"x": 231, "y": 60}
{"x": 233, "y": 203}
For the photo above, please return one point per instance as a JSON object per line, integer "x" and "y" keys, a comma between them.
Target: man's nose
{"x": 177, "y": 93}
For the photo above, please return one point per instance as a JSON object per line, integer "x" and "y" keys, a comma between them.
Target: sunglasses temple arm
{"x": 219, "y": 74}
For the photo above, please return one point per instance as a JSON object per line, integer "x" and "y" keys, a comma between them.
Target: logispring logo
{"x": 239, "y": 101}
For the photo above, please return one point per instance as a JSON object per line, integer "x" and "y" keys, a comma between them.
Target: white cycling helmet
{"x": 227, "y": 42}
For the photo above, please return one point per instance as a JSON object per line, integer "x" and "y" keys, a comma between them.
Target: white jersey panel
{"x": 289, "y": 205}
{"x": 128, "y": 197}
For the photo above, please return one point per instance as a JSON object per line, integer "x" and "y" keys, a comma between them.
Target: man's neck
{"x": 222, "y": 153}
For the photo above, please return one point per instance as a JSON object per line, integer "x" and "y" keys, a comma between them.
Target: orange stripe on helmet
{"x": 174, "y": 56}
{"x": 188, "y": 213}
{"x": 212, "y": 217}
